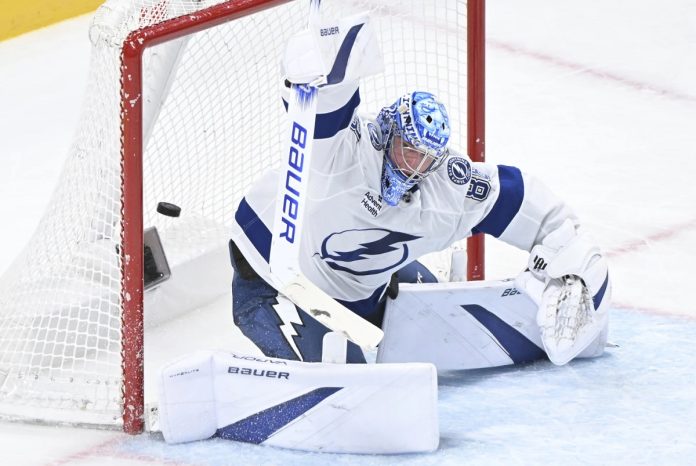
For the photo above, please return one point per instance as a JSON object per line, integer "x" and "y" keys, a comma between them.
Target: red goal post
{"x": 132, "y": 158}
{"x": 476, "y": 126}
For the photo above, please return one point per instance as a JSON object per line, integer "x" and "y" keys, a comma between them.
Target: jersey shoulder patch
{"x": 459, "y": 170}
{"x": 375, "y": 136}
{"x": 355, "y": 127}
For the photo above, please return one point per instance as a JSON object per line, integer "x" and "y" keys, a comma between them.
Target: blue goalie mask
{"x": 415, "y": 131}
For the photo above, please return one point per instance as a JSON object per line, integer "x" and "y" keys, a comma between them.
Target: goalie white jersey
{"x": 354, "y": 241}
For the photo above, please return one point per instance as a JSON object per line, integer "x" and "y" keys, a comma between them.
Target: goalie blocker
{"x": 343, "y": 408}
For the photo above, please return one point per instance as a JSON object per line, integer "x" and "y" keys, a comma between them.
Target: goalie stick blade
{"x": 331, "y": 313}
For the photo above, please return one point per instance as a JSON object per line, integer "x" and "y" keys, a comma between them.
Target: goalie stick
{"x": 289, "y": 219}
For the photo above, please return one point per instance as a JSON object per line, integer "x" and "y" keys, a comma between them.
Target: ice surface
{"x": 599, "y": 101}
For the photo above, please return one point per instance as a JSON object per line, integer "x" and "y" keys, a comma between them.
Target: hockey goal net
{"x": 183, "y": 105}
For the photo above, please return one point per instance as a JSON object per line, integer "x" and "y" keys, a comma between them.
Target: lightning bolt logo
{"x": 459, "y": 170}
{"x": 287, "y": 312}
{"x": 375, "y": 250}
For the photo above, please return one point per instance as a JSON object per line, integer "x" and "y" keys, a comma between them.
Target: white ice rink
{"x": 598, "y": 98}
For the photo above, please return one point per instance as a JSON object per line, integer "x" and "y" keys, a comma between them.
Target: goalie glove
{"x": 568, "y": 320}
{"x": 568, "y": 278}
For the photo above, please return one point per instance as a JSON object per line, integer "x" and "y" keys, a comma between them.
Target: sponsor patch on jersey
{"x": 459, "y": 170}
{"x": 355, "y": 128}
{"x": 372, "y": 203}
{"x": 375, "y": 136}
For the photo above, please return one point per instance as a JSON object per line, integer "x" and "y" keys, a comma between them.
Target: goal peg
{"x": 168, "y": 209}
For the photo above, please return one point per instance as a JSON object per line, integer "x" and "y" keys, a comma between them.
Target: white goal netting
{"x": 212, "y": 124}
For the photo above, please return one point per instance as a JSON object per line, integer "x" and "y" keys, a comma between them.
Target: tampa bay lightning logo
{"x": 459, "y": 170}
{"x": 366, "y": 252}
{"x": 375, "y": 136}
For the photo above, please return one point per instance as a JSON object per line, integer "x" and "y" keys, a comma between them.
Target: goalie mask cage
{"x": 183, "y": 105}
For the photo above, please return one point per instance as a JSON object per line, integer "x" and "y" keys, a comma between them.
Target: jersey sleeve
{"x": 520, "y": 209}
{"x": 336, "y": 106}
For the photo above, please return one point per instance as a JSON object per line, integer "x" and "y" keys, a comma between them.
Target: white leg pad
{"x": 469, "y": 325}
{"x": 344, "y": 408}
{"x": 187, "y": 408}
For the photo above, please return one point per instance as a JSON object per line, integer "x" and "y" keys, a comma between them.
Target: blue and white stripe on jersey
{"x": 507, "y": 205}
{"x": 330, "y": 123}
{"x": 525, "y": 210}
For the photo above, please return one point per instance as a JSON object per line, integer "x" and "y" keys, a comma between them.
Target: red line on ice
{"x": 652, "y": 310}
{"x": 546, "y": 58}
{"x": 661, "y": 235}
{"x": 105, "y": 450}
{"x": 637, "y": 245}
{"x": 597, "y": 73}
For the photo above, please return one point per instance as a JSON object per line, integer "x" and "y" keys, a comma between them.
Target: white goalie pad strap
{"x": 461, "y": 325}
{"x": 354, "y": 408}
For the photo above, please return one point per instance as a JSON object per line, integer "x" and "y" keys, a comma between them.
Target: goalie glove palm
{"x": 567, "y": 319}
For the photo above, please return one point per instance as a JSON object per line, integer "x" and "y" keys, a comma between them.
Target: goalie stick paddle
{"x": 289, "y": 217}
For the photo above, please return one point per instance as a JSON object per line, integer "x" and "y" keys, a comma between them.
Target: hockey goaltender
{"x": 385, "y": 190}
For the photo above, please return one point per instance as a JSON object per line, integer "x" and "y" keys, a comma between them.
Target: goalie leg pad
{"x": 469, "y": 325}
{"x": 358, "y": 408}
{"x": 464, "y": 325}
